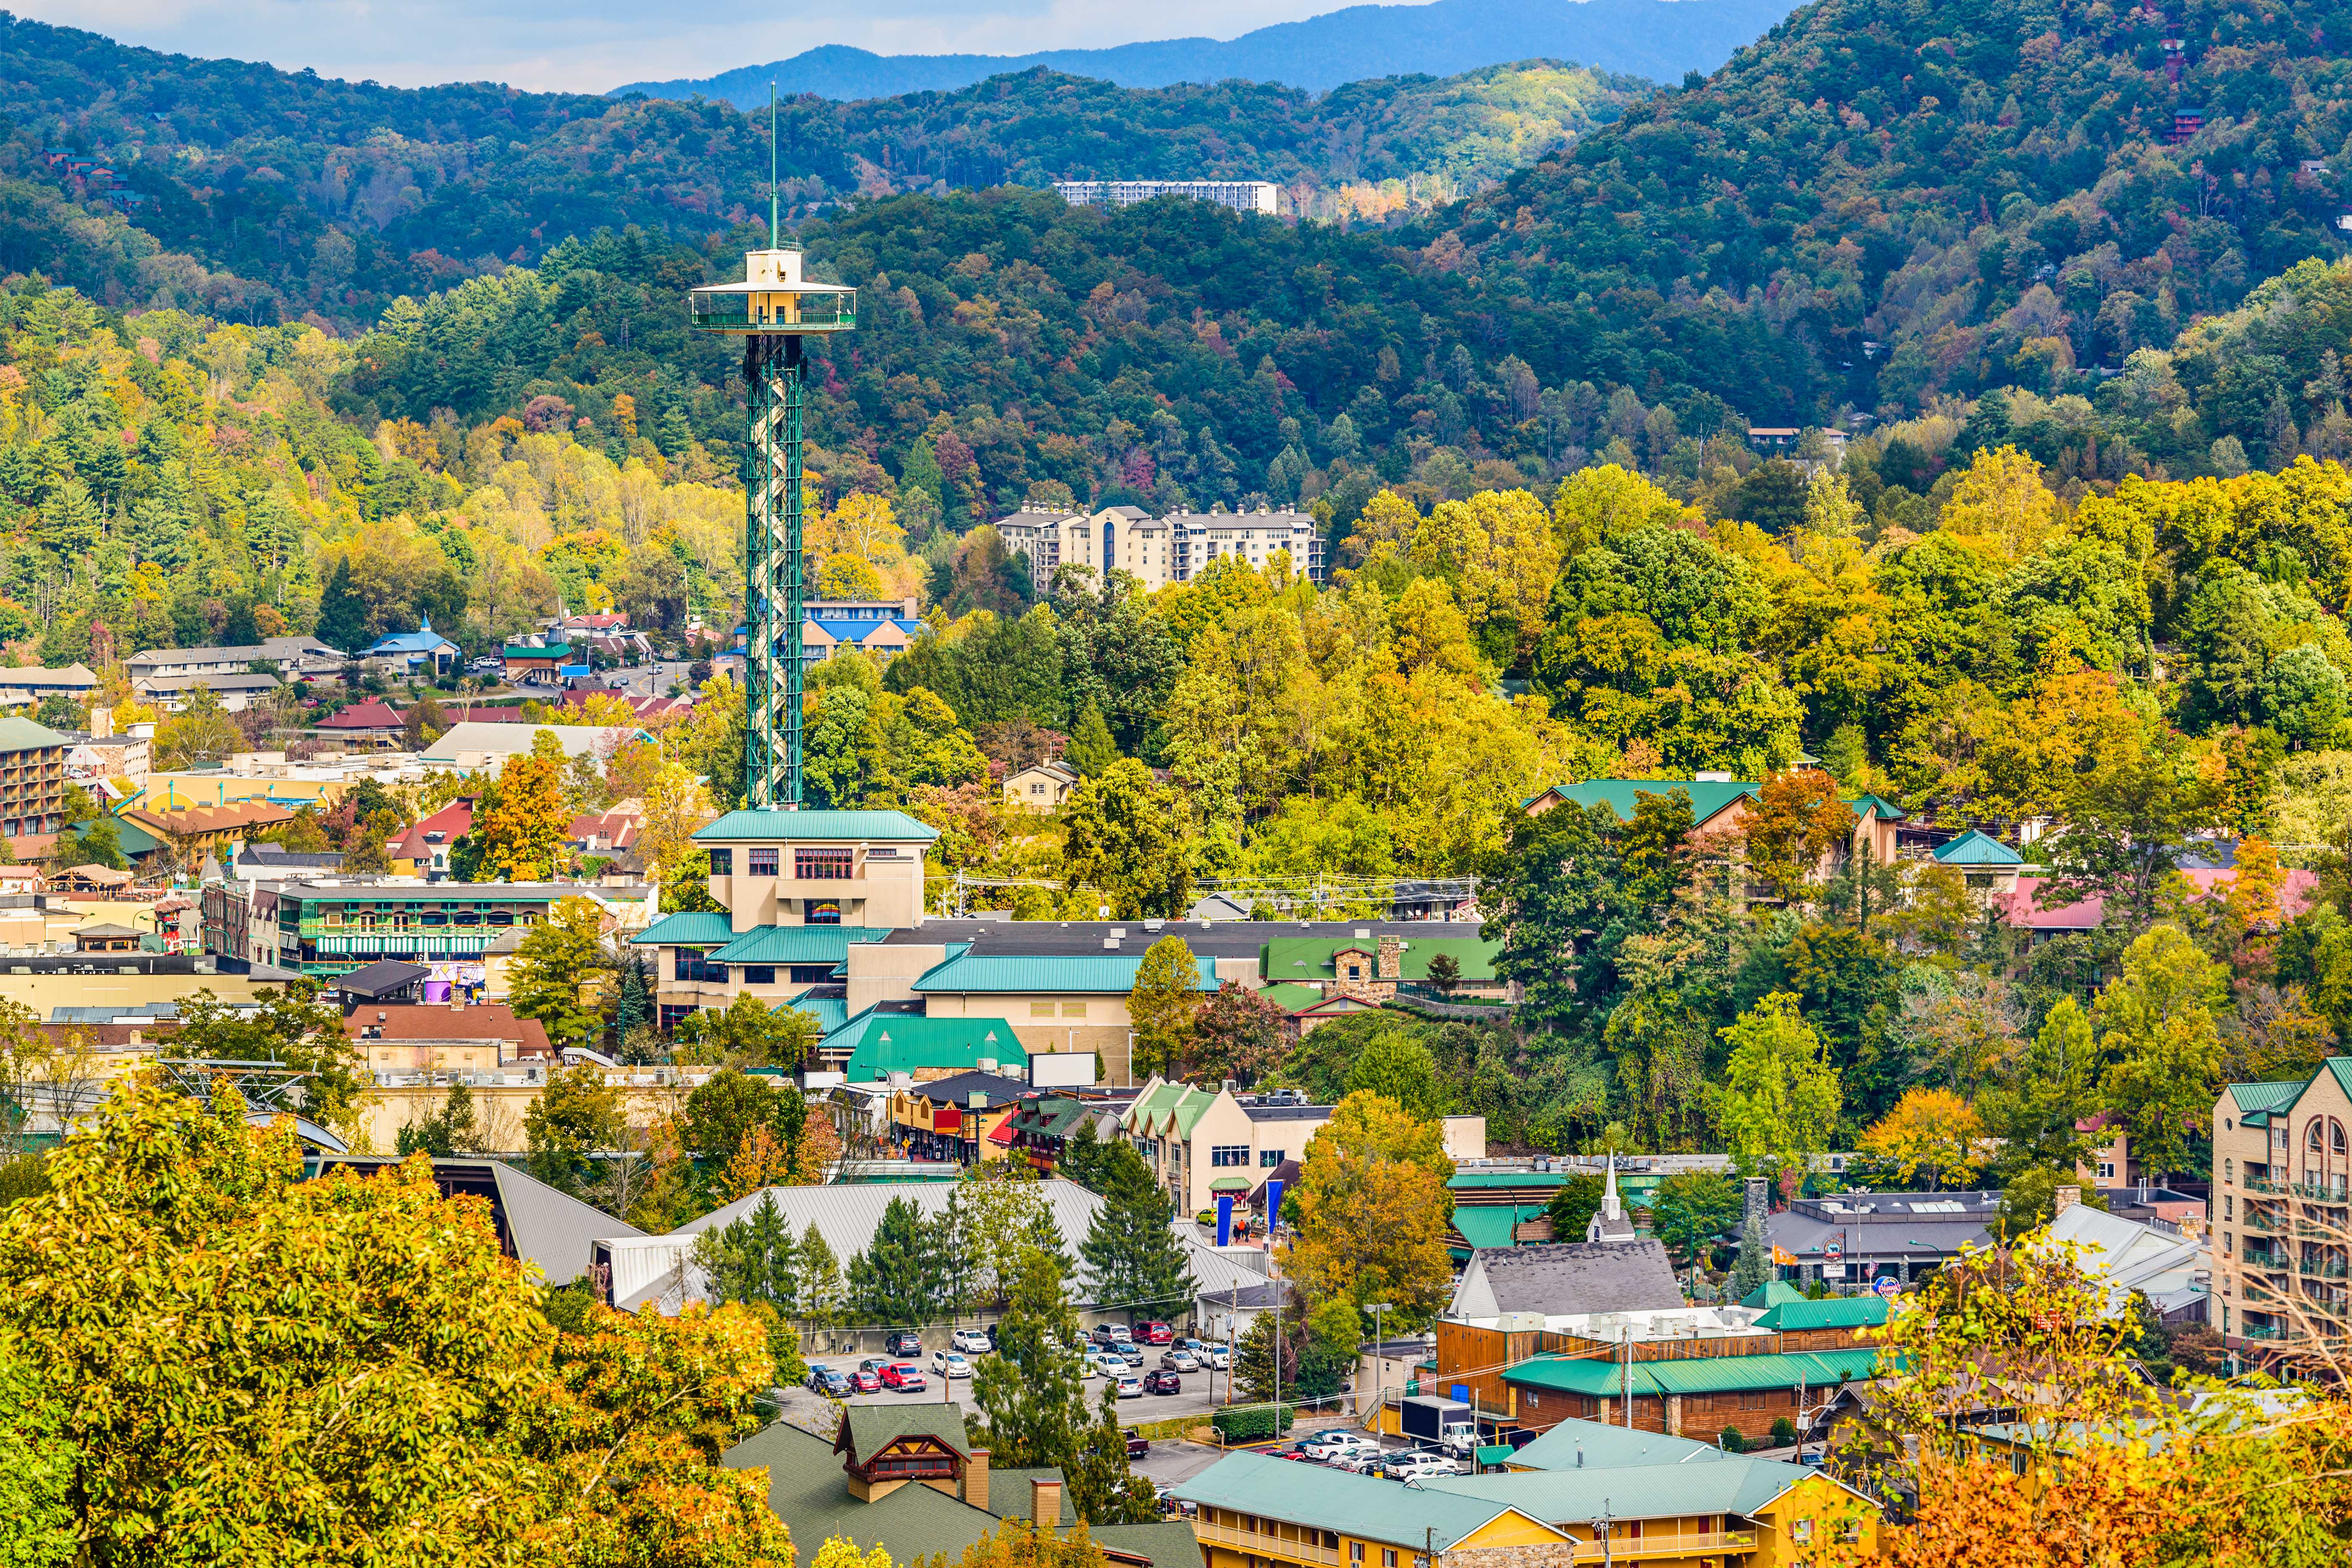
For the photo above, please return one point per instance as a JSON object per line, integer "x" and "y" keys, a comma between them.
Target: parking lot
{"x": 1198, "y": 1398}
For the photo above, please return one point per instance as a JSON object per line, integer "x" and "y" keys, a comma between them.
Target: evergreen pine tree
{"x": 1131, "y": 1251}
{"x": 162, "y": 519}
{"x": 752, "y": 1259}
{"x": 1104, "y": 1487}
{"x": 1092, "y": 750}
{"x": 1754, "y": 1265}
{"x": 342, "y": 614}
{"x": 1986, "y": 429}
{"x": 821, "y": 1290}
{"x": 240, "y": 630}
{"x": 1031, "y": 1395}
{"x": 69, "y": 521}
{"x": 895, "y": 1282}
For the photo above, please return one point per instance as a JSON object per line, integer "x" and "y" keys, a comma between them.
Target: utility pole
{"x": 1379, "y": 1360}
{"x": 1601, "y": 1528}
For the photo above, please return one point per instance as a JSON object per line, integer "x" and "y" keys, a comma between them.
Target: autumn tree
{"x": 1239, "y": 1034}
{"x": 1930, "y": 1136}
{"x": 521, "y": 820}
{"x": 1797, "y": 824}
{"x": 2157, "y": 1028}
{"x": 1162, "y": 1007}
{"x": 1124, "y": 838}
{"x": 1373, "y": 1211}
{"x": 363, "y": 1371}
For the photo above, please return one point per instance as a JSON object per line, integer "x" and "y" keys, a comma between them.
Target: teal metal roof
{"x": 2261, "y": 1099}
{"x": 1311, "y": 957}
{"x": 1462, "y": 1181}
{"x": 1702, "y": 1374}
{"x": 1633, "y": 1492}
{"x": 24, "y": 735}
{"x": 1974, "y": 848}
{"x": 1830, "y": 1312}
{"x": 805, "y": 826}
{"x": 1706, "y": 798}
{"x": 830, "y": 1012}
{"x": 1331, "y": 1499}
{"x": 690, "y": 928}
{"x": 1771, "y": 1293}
{"x": 881, "y": 1043}
{"x": 1110, "y": 972}
{"x": 1491, "y": 1224}
{"x": 796, "y": 944}
{"x": 1888, "y": 811}
{"x": 1597, "y": 1446}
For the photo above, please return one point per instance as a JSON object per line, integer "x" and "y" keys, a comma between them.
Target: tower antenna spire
{"x": 775, "y": 231}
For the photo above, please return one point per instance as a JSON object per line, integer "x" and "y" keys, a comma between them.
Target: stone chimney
{"x": 2068, "y": 1197}
{"x": 1388, "y": 963}
{"x": 975, "y": 1479}
{"x": 1044, "y": 1502}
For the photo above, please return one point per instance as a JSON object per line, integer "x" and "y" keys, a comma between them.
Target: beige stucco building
{"x": 2281, "y": 1215}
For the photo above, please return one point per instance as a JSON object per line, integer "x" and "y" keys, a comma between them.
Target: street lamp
{"x": 1941, "y": 1253}
{"x": 1380, "y": 1359}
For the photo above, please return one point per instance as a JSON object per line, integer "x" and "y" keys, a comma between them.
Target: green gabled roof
{"x": 1050, "y": 1118}
{"x": 1771, "y": 1293}
{"x": 830, "y": 1012}
{"x": 691, "y": 928}
{"x": 1830, "y": 1312}
{"x": 1293, "y": 958}
{"x": 795, "y": 944}
{"x": 1594, "y": 1445}
{"x": 1703, "y": 1375}
{"x": 881, "y": 1043}
{"x": 805, "y": 826}
{"x": 1087, "y": 972}
{"x": 24, "y": 735}
{"x": 1707, "y": 797}
{"x": 1363, "y": 1506}
{"x": 1293, "y": 997}
{"x": 1181, "y": 1102}
{"x": 873, "y": 1427}
{"x": 1888, "y": 811}
{"x": 1974, "y": 848}
{"x": 2262, "y": 1099}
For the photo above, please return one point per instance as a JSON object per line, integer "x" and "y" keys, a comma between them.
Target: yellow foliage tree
{"x": 2001, "y": 508}
{"x": 1373, "y": 1209}
{"x": 1930, "y": 1133}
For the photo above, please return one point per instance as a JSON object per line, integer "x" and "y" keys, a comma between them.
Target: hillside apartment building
{"x": 1157, "y": 552}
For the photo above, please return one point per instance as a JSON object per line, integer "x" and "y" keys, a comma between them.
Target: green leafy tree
{"x": 449, "y": 1131}
{"x": 293, "y": 1027}
{"x": 823, "y": 1294}
{"x": 558, "y": 970}
{"x": 577, "y": 1118}
{"x": 1164, "y": 1006}
{"x": 1239, "y": 1034}
{"x": 2157, "y": 1027}
{"x": 1691, "y": 1211}
{"x": 749, "y": 1032}
{"x": 1092, "y": 751}
{"x": 1779, "y": 1102}
{"x": 729, "y": 1107}
{"x": 1573, "y": 1204}
{"x": 2036, "y": 1108}
{"x": 1396, "y": 1064}
{"x": 751, "y": 1262}
{"x": 1124, "y": 838}
{"x": 1104, "y": 1487}
{"x": 1560, "y": 889}
{"x": 38, "y": 1463}
{"x": 342, "y": 612}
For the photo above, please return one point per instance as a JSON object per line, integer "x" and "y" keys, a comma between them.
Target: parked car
{"x": 1157, "y": 1334}
{"x": 950, "y": 1364}
{"x": 1419, "y": 1462}
{"x": 865, "y": 1382}
{"x": 1220, "y": 1358}
{"x": 1332, "y": 1444}
{"x": 904, "y": 1343}
{"x": 829, "y": 1382}
{"x": 1130, "y": 1385}
{"x": 1358, "y": 1461}
{"x": 1188, "y": 1343}
{"x": 1163, "y": 1383}
{"x": 903, "y": 1377}
{"x": 1128, "y": 1356}
{"x": 971, "y": 1341}
{"x": 874, "y": 1363}
{"x": 1179, "y": 1360}
{"x": 1137, "y": 1445}
{"x": 1112, "y": 1334}
{"x": 1301, "y": 1453}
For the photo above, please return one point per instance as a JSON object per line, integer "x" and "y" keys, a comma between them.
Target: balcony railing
{"x": 2323, "y": 1269}
{"x": 2264, "y": 1184}
{"x": 1266, "y": 1544}
{"x": 732, "y": 312}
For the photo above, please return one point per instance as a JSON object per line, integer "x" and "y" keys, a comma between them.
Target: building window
{"x": 759, "y": 974}
{"x": 722, "y": 862}
{"x": 809, "y": 974}
{"x": 1040, "y": 1010}
{"x": 1388, "y": 1557}
{"x": 821, "y": 912}
{"x": 2229, "y": 1170}
{"x": 1269, "y": 1158}
{"x": 2228, "y": 1204}
{"x": 1074, "y": 1009}
{"x": 763, "y": 862}
{"x": 1355, "y": 1552}
{"x": 693, "y": 964}
{"x": 1227, "y": 1155}
{"x": 2106, "y": 1170}
{"x": 821, "y": 865}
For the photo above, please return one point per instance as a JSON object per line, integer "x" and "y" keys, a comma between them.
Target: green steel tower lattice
{"x": 772, "y": 310}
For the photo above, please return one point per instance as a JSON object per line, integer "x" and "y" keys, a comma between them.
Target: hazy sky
{"x": 590, "y": 45}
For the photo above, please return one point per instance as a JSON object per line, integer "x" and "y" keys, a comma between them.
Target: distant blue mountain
{"x": 1660, "y": 39}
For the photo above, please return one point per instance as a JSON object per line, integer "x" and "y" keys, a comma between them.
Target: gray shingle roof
{"x": 1564, "y": 1277}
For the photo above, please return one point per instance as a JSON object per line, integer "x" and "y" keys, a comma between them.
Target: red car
{"x": 864, "y": 1381}
{"x": 1163, "y": 1383}
{"x": 1156, "y": 1333}
{"x": 904, "y": 1376}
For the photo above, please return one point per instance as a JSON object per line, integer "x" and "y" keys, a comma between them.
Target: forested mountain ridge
{"x": 1662, "y": 39}
{"x": 295, "y": 195}
{"x": 1986, "y": 187}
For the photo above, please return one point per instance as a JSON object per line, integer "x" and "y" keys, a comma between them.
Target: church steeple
{"x": 1608, "y": 1222}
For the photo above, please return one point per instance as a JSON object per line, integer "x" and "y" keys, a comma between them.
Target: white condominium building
{"x": 1158, "y": 551}
{"x": 1242, "y": 195}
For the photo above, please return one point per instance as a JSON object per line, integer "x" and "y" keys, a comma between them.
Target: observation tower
{"x": 772, "y": 310}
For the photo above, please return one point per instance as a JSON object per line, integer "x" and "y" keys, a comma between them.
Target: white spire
{"x": 1609, "y": 1204}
